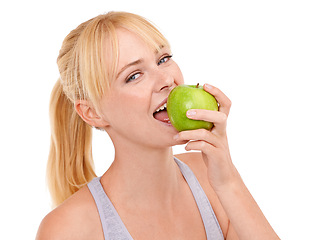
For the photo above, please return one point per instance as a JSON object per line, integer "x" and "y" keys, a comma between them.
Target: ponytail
{"x": 70, "y": 163}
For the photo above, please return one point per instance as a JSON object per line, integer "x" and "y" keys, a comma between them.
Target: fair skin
{"x": 146, "y": 172}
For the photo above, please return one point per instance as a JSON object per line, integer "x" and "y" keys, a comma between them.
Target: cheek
{"x": 125, "y": 108}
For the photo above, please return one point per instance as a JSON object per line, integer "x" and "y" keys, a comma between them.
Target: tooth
{"x": 161, "y": 107}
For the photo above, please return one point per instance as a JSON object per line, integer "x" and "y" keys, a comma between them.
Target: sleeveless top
{"x": 114, "y": 229}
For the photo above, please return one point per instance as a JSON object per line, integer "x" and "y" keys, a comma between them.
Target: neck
{"x": 143, "y": 175}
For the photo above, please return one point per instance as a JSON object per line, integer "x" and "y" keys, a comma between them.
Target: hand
{"x": 213, "y": 144}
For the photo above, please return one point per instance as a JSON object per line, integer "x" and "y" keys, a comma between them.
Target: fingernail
{"x": 208, "y": 86}
{"x": 176, "y": 137}
{"x": 191, "y": 113}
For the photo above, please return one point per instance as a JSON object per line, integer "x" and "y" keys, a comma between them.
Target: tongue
{"x": 162, "y": 116}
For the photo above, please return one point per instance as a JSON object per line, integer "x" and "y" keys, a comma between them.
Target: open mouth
{"x": 161, "y": 113}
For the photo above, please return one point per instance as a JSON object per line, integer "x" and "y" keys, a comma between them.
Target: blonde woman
{"x": 116, "y": 71}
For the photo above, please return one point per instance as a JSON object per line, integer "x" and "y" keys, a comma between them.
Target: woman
{"x": 116, "y": 71}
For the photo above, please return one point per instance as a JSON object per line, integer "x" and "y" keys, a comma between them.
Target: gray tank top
{"x": 114, "y": 229}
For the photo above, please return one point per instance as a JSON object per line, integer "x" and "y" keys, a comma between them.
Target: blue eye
{"x": 164, "y": 59}
{"x": 133, "y": 77}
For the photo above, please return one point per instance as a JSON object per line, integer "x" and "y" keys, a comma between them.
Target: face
{"x": 144, "y": 81}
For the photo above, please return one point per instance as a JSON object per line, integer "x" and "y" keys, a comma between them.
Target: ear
{"x": 88, "y": 113}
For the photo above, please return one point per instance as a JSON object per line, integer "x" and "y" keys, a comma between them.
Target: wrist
{"x": 233, "y": 185}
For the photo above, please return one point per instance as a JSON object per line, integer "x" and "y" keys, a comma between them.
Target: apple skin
{"x": 185, "y": 97}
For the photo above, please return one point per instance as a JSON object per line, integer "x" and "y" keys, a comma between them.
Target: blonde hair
{"x": 87, "y": 64}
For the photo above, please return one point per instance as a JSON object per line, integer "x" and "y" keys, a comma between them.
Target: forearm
{"x": 244, "y": 214}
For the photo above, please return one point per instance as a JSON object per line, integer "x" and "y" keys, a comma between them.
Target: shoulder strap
{"x": 112, "y": 225}
{"x": 211, "y": 224}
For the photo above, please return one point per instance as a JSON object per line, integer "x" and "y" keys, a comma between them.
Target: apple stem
{"x": 197, "y": 85}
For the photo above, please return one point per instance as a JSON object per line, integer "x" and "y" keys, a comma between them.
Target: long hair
{"x": 87, "y": 64}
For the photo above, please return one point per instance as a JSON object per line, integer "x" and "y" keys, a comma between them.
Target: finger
{"x": 218, "y": 118}
{"x": 200, "y": 146}
{"x": 200, "y": 135}
{"x": 222, "y": 99}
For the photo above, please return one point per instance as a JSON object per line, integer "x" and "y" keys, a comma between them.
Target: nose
{"x": 164, "y": 80}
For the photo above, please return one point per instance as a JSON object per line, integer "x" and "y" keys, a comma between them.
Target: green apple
{"x": 185, "y": 97}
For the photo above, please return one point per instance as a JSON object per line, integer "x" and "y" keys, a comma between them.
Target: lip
{"x": 161, "y": 104}
{"x": 164, "y": 123}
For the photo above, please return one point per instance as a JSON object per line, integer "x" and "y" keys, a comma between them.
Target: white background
{"x": 266, "y": 56}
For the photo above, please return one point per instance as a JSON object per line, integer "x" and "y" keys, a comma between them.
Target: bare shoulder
{"x": 195, "y": 162}
{"x": 76, "y": 218}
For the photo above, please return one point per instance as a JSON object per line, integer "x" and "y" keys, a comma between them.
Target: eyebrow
{"x": 136, "y": 62}
{"x": 129, "y": 65}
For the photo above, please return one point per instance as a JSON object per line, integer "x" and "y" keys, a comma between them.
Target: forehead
{"x": 132, "y": 45}
{"x": 129, "y": 41}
